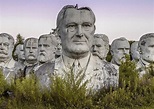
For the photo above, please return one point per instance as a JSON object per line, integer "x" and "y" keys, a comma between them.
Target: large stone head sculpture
{"x": 119, "y": 48}
{"x": 46, "y": 47}
{"x": 134, "y": 51}
{"x": 146, "y": 47}
{"x": 76, "y": 28}
{"x": 19, "y": 52}
{"x": 58, "y": 49}
{"x": 6, "y": 47}
{"x": 31, "y": 50}
{"x": 100, "y": 46}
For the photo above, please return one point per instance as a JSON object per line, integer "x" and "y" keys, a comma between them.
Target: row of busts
{"x": 41, "y": 55}
{"x": 27, "y": 55}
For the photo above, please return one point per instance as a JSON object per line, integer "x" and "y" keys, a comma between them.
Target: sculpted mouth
{"x": 31, "y": 55}
{"x": 2, "y": 52}
{"x": 42, "y": 54}
{"x": 79, "y": 42}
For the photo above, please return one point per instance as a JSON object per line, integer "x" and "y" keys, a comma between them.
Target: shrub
{"x": 70, "y": 92}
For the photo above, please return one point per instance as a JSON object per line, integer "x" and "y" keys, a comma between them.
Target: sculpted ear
{"x": 111, "y": 51}
{"x": 94, "y": 28}
{"x": 139, "y": 50}
{"x": 58, "y": 32}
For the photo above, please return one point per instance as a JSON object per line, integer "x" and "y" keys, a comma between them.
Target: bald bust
{"x": 146, "y": 50}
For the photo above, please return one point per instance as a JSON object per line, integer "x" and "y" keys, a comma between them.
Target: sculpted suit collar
{"x": 141, "y": 67}
{"x": 64, "y": 62}
{"x": 95, "y": 77}
{"x": 115, "y": 65}
{"x": 144, "y": 63}
{"x": 28, "y": 65}
{"x": 68, "y": 62}
{"x": 8, "y": 64}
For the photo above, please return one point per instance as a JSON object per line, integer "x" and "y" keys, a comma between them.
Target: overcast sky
{"x": 115, "y": 18}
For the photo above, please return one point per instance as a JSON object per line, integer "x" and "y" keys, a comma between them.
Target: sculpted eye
{"x": 27, "y": 47}
{"x": 46, "y": 45}
{"x": 151, "y": 46}
{"x": 86, "y": 26}
{"x": 120, "y": 48}
{"x": 6, "y": 44}
{"x": 127, "y": 48}
{"x": 98, "y": 45}
{"x": 34, "y": 47}
{"x": 71, "y": 27}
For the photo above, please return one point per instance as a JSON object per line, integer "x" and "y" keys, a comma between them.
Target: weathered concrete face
{"x": 20, "y": 52}
{"x": 31, "y": 50}
{"x": 4, "y": 48}
{"x": 120, "y": 49}
{"x": 147, "y": 51}
{"x": 134, "y": 51}
{"x": 100, "y": 48}
{"x": 76, "y": 32}
{"x": 46, "y": 49}
{"x": 58, "y": 49}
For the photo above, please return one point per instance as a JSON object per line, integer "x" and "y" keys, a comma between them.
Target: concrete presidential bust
{"x": 19, "y": 56}
{"x": 119, "y": 49}
{"x": 31, "y": 51}
{"x": 6, "y": 47}
{"x": 31, "y": 54}
{"x": 46, "y": 48}
{"x": 100, "y": 50}
{"x": 6, "y": 60}
{"x": 76, "y": 27}
{"x": 100, "y": 46}
{"x": 134, "y": 51}
{"x": 146, "y": 50}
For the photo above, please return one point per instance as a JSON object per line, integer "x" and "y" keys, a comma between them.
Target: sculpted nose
{"x": 41, "y": 48}
{"x": 94, "y": 48}
{"x": 30, "y": 50}
{"x": 2, "y": 47}
{"x": 125, "y": 51}
{"x": 79, "y": 31}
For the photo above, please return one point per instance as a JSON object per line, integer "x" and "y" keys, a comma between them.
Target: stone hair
{"x": 104, "y": 38}
{"x": 9, "y": 37}
{"x": 15, "y": 57}
{"x": 25, "y": 42}
{"x": 61, "y": 14}
{"x": 51, "y": 36}
{"x": 142, "y": 40}
{"x": 115, "y": 41}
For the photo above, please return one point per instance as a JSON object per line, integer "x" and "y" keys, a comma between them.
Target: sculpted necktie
{"x": 76, "y": 67}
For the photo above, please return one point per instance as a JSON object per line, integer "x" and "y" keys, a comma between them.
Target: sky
{"x": 115, "y": 18}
